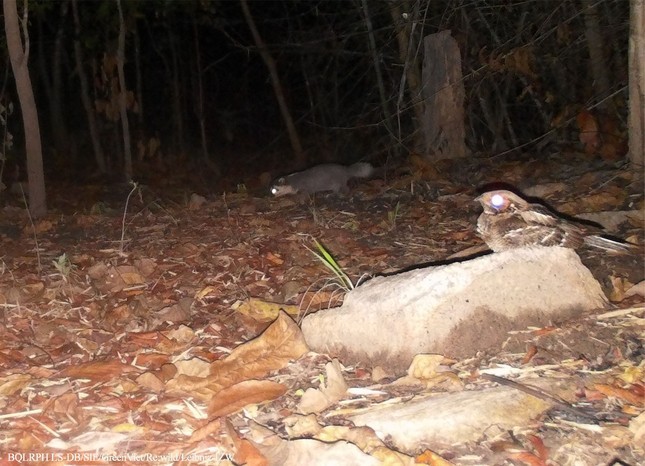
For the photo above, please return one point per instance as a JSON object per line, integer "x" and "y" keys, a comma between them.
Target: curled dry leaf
{"x": 279, "y": 344}
{"x": 424, "y": 366}
{"x": 317, "y": 400}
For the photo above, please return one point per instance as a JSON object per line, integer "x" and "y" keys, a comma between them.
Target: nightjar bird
{"x": 510, "y": 222}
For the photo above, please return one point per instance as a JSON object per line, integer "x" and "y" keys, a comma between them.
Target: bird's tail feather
{"x": 609, "y": 245}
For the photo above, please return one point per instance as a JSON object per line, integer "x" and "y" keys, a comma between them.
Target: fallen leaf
{"x": 530, "y": 353}
{"x": 178, "y": 312}
{"x": 263, "y": 311}
{"x": 97, "y": 371}
{"x": 539, "y": 447}
{"x": 617, "y": 392}
{"x": 13, "y": 383}
{"x": 424, "y": 366}
{"x": 333, "y": 390}
{"x": 193, "y": 367}
{"x": 151, "y": 382}
{"x": 236, "y": 397}
{"x": 280, "y": 343}
{"x": 431, "y": 458}
{"x": 528, "y": 458}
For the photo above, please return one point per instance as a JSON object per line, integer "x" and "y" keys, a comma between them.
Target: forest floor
{"x": 116, "y": 325}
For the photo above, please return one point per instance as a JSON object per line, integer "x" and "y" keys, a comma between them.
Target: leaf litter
{"x": 179, "y": 344}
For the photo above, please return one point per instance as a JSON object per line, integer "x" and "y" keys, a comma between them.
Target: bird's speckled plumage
{"x": 510, "y": 222}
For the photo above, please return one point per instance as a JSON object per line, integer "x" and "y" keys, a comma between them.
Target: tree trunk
{"x": 19, "y": 58}
{"x": 596, "y": 46}
{"x": 178, "y": 114}
{"x": 199, "y": 97}
{"x": 99, "y": 157}
{"x": 59, "y": 127}
{"x": 443, "y": 87}
{"x": 408, "y": 53}
{"x": 277, "y": 86}
{"x": 137, "y": 70}
{"x": 51, "y": 77}
{"x": 637, "y": 86}
{"x": 127, "y": 150}
{"x": 387, "y": 117}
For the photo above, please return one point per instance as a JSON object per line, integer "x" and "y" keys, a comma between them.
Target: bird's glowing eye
{"x": 497, "y": 200}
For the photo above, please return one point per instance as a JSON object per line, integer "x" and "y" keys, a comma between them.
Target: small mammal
{"x": 325, "y": 177}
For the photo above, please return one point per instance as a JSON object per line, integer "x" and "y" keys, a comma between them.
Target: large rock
{"x": 456, "y": 309}
{"x": 462, "y": 417}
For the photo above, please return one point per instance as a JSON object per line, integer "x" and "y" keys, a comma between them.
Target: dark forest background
{"x": 202, "y": 107}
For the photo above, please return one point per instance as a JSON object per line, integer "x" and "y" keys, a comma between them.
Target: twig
{"x": 563, "y": 405}
{"x": 33, "y": 227}
{"x": 135, "y": 185}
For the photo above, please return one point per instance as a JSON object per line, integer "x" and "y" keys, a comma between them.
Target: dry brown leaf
{"x": 130, "y": 275}
{"x": 619, "y": 287}
{"x": 97, "y": 371}
{"x": 299, "y": 425}
{"x": 194, "y": 367}
{"x": 145, "y": 339}
{"x": 151, "y": 382}
{"x": 431, "y": 458}
{"x": 13, "y": 383}
{"x": 617, "y": 392}
{"x": 236, "y": 397}
{"x": 539, "y": 447}
{"x": 146, "y": 266}
{"x": 98, "y": 270}
{"x": 39, "y": 227}
{"x": 65, "y": 407}
{"x": 532, "y": 351}
{"x": 519, "y": 60}
{"x": 528, "y": 458}
{"x": 314, "y": 300}
{"x": 608, "y": 199}
{"x": 545, "y": 331}
{"x": 213, "y": 427}
{"x": 121, "y": 313}
{"x": 263, "y": 311}
{"x": 249, "y": 455}
{"x": 198, "y": 387}
{"x": 280, "y": 343}
{"x": 178, "y": 312}
{"x": 183, "y": 334}
{"x": 112, "y": 282}
{"x": 201, "y": 294}
{"x": 333, "y": 390}
{"x": 186, "y": 250}
{"x": 33, "y": 290}
{"x": 274, "y": 259}
{"x": 424, "y": 366}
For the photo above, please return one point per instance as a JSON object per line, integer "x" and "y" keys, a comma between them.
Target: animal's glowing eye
{"x": 274, "y": 190}
{"x": 497, "y": 200}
